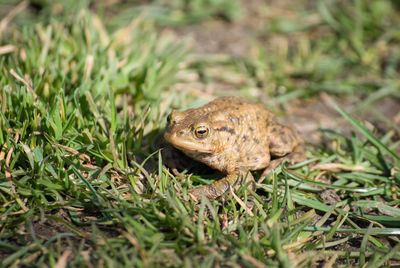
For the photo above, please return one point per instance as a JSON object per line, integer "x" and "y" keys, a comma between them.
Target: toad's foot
{"x": 220, "y": 187}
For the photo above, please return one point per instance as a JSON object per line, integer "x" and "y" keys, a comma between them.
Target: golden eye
{"x": 201, "y": 132}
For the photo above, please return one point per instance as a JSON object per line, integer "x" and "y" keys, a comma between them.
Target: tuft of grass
{"x": 163, "y": 13}
{"x": 179, "y": 13}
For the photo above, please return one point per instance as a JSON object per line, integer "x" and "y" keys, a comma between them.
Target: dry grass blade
{"x": 337, "y": 167}
{"x": 63, "y": 260}
{"x": 7, "y": 49}
{"x": 11, "y": 15}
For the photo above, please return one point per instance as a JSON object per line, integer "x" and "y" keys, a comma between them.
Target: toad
{"x": 233, "y": 136}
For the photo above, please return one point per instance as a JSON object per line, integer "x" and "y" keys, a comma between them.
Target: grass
{"x": 83, "y": 100}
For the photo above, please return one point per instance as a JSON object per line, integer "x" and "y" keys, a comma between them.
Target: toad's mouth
{"x": 186, "y": 145}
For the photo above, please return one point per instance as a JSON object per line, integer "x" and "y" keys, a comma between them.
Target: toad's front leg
{"x": 220, "y": 187}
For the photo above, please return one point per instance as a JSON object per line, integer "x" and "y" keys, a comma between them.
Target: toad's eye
{"x": 201, "y": 132}
{"x": 169, "y": 117}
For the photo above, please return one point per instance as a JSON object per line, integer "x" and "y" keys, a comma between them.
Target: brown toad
{"x": 233, "y": 136}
